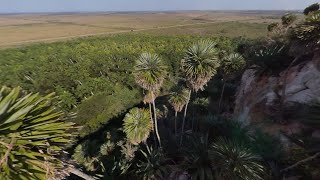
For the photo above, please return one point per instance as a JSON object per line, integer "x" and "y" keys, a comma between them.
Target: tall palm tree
{"x": 32, "y": 134}
{"x": 178, "y": 99}
{"x": 137, "y": 125}
{"x": 230, "y": 65}
{"x": 199, "y": 65}
{"x": 149, "y": 73}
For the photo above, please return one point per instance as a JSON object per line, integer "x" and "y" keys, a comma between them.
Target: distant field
{"x": 22, "y": 29}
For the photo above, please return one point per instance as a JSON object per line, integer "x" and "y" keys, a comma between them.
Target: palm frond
{"x": 137, "y": 125}
{"x": 232, "y": 63}
{"x": 178, "y": 99}
{"x": 235, "y": 161}
{"x": 200, "y": 64}
{"x": 197, "y": 161}
{"x": 32, "y": 134}
{"x": 149, "y": 71}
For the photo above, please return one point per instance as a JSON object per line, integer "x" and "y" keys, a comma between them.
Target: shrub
{"x": 99, "y": 109}
{"x": 311, "y": 8}
{"x": 273, "y": 26}
{"x": 288, "y": 19}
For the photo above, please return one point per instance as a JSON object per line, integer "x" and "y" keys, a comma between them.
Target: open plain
{"x": 21, "y": 29}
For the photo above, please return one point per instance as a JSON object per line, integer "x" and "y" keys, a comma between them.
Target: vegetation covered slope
{"x": 86, "y": 70}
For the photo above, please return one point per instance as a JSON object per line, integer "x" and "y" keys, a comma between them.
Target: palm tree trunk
{"x": 195, "y": 109}
{"x": 175, "y": 122}
{"x": 184, "y": 117}
{"x": 155, "y": 118}
{"x": 150, "y": 110}
{"x": 221, "y": 97}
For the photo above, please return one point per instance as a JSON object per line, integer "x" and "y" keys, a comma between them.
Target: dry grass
{"x": 21, "y": 29}
{"x": 228, "y": 29}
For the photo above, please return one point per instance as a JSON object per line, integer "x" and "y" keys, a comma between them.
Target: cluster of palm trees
{"x": 198, "y": 66}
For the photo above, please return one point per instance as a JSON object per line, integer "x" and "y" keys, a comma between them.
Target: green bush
{"x": 311, "y": 8}
{"x": 97, "y": 110}
{"x": 288, "y": 19}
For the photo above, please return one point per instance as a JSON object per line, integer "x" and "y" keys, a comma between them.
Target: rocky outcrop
{"x": 258, "y": 98}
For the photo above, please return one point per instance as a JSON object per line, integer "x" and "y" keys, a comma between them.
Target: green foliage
{"x": 123, "y": 163}
{"x": 68, "y": 101}
{"x": 273, "y": 26}
{"x": 178, "y": 98}
{"x": 312, "y": 8}
{"x": 86, "y": 67}
{"x": 106, "y": 148}
{"x": 197, "y": 161}
{"x": 152, "y": 165}
{"x": 235, "y": 161}
{"x": 306, "y": 36}
{"x": 202, "y": 102}
{"x": 314, "y": 17}
{"x": 32, "y": 134}
{"x": 231, "y": 65}
{"x": 200, "y": 64}
{"x": 288, "y": 19}
{"x": 85, "y": 154}
{"x": 137, "y": 125}
{"x": 99, "y": 109}
{"x": 109, "y": 157}
{"x": 149, "y": 71}
{"x": 272, "y": 58}
{"x": 268, "y": 147}
{"x": 262, "y": 144}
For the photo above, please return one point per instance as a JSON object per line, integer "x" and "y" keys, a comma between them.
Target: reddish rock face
{"x": 258, "y": 98}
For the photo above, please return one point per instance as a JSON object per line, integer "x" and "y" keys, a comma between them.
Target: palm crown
{"x": 235, "y": 161}
{"x": 178, "y": 99}
{"x": 200, "y": 64}
{"x": 232, "y": 63}
{"x": 149, "y": 97}
{"x": 137, "y": 125}
{"x": 149, "y": 71}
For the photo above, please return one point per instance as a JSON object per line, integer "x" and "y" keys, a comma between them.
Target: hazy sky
{"x": 11, "y": 6}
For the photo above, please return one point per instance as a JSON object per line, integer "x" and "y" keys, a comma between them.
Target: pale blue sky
{"x": 12, "y": 6}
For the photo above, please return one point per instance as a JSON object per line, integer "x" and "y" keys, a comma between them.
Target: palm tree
{"x": 230, "y": 65}
{"x": 199, "y": 65}
{"x": 178, "y": 99}
{"x": 149, "y": 72}
{"x": 32, "y": 134}
{"x": 137, "y": 125}
{"x": 235, "y": 161}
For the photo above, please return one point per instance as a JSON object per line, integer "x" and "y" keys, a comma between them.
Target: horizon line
{"x": 145, "y": 11}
